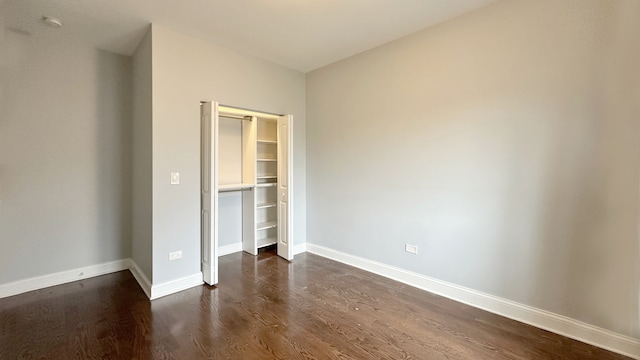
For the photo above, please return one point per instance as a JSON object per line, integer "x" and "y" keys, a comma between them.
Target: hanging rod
{"x": 235, "y": 187}
{"x": 228, "y": 110}
{"x": 234, "y": 116}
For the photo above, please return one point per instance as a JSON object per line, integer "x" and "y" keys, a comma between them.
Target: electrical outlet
{"x": 411, "y": 248}
{"x": 175, "y": 255}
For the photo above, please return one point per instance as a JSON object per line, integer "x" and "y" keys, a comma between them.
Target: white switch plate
{"x": 175, "y": 255}
{"x": 411, "y": 248}
{"x": 175, "y": 178}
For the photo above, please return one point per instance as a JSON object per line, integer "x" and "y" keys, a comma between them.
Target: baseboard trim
{"x": 229, "y": 249}
{"x": 174, "y": 286}
{"x": 141, "y": 278}
{"x": 62, "y": 277}
{"x": 546, "y": 320}
{"x": 299, "y": 248}
{"x": 237, "y": 247}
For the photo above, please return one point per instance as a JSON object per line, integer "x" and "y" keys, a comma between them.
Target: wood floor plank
{"x": 268, "y": 308}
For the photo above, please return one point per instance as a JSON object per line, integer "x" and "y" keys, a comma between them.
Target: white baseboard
{"x": 237, "y": 247}
{"x": 299, "y": 248}
{"x": 63, "y": 277}
{"x": 558, "y": 324}
{"x": 164, "y": 289}
{"x": 174, "y": 286}
{"x": 229, "y": 249}
{"x": 141, "y": 278}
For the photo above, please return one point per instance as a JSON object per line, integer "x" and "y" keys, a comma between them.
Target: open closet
{"x": 246, "y": 182}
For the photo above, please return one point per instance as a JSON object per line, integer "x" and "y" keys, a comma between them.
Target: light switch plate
{"x": 175, "y": 178}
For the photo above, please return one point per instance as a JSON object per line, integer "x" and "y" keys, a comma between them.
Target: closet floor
{"x": 267, "y": 308}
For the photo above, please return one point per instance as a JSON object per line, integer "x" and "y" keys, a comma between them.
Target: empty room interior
{"x": 415, "y": 179}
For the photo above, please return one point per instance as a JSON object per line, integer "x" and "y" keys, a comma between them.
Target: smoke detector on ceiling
{"x": 51, "y": 21}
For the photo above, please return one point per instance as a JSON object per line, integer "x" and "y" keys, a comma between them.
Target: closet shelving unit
{"x": 266, "y": 182}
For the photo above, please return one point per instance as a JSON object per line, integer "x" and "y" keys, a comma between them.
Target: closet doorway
{"x": 245, "y": 183}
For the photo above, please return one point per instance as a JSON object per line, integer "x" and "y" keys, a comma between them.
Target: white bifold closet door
{"x": 285, "y": 248}
{"x": 209, "y": 191}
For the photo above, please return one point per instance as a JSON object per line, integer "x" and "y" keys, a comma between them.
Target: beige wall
{"x": 65, "y": 169}
{"x": 185, "y": 72}
{"x": 504, "y": 144}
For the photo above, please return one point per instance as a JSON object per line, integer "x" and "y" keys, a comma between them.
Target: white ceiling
{"x": 299, "y": 34}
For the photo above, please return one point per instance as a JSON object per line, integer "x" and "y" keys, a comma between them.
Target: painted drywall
{"x": 230, "y": 172}
{"x": 504, "y": 144}
{"x": 142, "y": 246}
{"x": 186, "y": 71}
{"x": 65, "y": 169}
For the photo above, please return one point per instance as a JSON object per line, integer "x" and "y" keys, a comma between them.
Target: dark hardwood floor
{"x": 267, "y": 308}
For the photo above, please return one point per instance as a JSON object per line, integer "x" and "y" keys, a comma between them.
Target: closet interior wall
{"x": 229, "y": 172}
